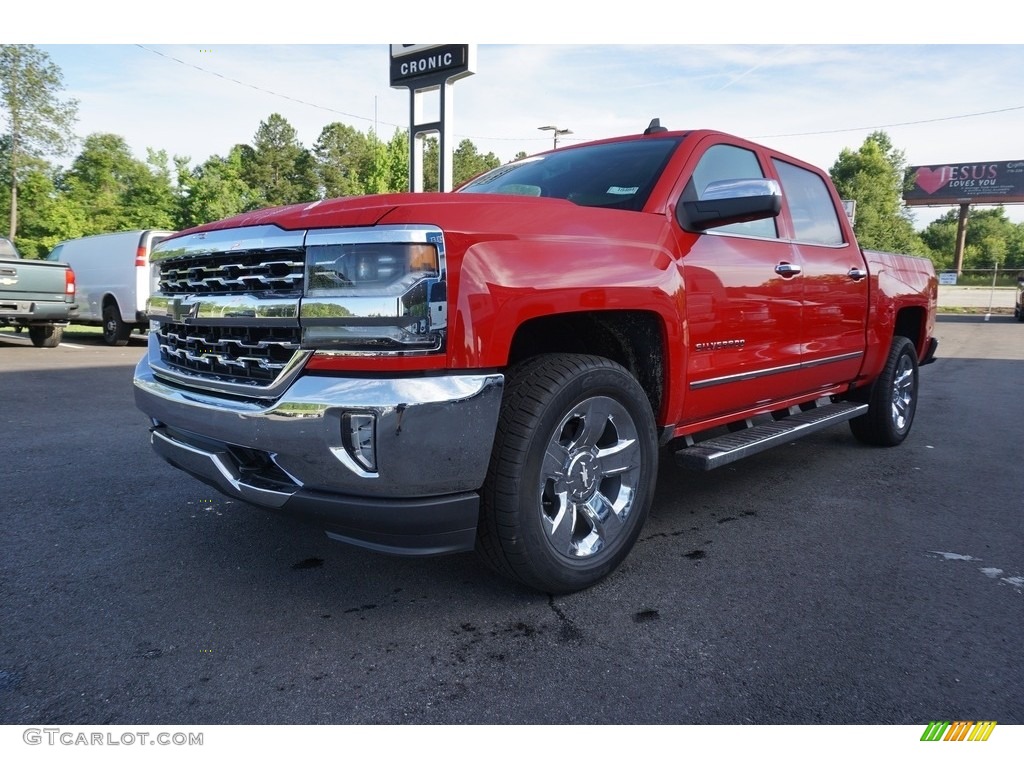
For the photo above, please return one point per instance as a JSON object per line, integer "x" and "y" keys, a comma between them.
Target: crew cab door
{"x": 743, "y": 289}
{"x": 835, "y": 279}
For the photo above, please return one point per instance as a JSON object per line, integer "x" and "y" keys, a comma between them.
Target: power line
{"x": 890, "y": 125}
{"x": 262, "y": 90}
{"x": 372, "y": 120}
{"x": 533, "y": 138}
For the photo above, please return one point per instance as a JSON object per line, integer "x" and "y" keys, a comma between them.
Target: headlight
{"x": 358, "y": 269}
{"x": 384, "y": 296}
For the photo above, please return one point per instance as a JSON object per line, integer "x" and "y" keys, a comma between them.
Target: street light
{"x": 556, "y": 132}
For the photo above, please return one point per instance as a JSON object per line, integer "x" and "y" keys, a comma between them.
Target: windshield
{"x": 617, "y": 175}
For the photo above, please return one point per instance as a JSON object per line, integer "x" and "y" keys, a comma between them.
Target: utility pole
{"x": 555, "y": 132}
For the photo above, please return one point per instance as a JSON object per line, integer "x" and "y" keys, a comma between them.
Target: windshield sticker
{"x": 623, "y": 190}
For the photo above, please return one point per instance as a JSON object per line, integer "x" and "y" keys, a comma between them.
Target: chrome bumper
{"x": 432, "y": 444}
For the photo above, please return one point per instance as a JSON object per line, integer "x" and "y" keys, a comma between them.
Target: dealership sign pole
{"x": 423, "y": 68}
{"x": 965, "y": 184}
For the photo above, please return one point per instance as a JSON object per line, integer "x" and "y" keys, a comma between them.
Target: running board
{"x": 718, "y": 451}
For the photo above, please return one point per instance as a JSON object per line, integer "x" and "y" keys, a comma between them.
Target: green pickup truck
{"x": 37, "y": 295}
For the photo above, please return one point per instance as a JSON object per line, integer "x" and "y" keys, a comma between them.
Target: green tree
{"x": 431, "y": 164}
{"x": 467, "y": 162}
{"x": 211, "y": 191}
{"x": 150, "y": 200}
{"x": 991, "y": 238}
{"x": 47, "y": 216}
{"x": 115, "y": 190}
{"x": 279, "y": 170}
{"x": 340, "y": 152}
{"x": 375, "y": 171}
{"x": 874, "y": 177}
{"x": 39, "y": 122}
{"x": 398, "y": 154}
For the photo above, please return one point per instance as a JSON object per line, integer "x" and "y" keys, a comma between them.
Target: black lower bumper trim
{"x": 417, "y": 527}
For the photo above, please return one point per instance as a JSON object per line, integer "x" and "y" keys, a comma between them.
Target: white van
{"x": 112, "y": 279}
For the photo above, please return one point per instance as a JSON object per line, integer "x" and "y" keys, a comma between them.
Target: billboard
{"x": 988, "y": 183}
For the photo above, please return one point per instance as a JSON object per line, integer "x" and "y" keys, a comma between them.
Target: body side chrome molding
{"x": 749, "y": 375}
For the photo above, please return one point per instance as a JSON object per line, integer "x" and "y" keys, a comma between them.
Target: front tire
{"x": 892, "y": 401}
{"x": 115, "y": 331}
{"x": 572, "y": 473}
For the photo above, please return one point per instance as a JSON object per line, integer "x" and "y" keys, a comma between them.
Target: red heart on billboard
{"x": 930, "y": 180}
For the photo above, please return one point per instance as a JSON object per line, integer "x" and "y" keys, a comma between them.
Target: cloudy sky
{"x": 811, "y": 95}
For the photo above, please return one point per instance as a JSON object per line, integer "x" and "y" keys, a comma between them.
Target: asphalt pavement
{"x": 823, "y": 582}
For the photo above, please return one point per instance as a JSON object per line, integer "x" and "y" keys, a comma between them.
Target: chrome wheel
{"x": 572, "y": 472}
{"x": 903, "y": 393}
{"x": 892, "y": 399}
{"x": 589, "y": 477}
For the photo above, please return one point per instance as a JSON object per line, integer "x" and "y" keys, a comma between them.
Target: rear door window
{"x": 810, "y": 205}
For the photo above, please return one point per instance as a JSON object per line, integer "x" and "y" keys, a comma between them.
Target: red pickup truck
{"x": 504, "y": 367}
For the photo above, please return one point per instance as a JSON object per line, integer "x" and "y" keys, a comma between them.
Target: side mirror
{"x": 730, "y": 202}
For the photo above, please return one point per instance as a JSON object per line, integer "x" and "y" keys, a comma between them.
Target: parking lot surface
{"x": 821, "y": 582}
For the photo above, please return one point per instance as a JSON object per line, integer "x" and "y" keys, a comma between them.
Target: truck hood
{"x": 342, "y": 212}
{"x": 422, "y": 207}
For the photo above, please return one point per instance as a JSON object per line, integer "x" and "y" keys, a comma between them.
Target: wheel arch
{"x": 635, "y": 339}
{"x": 110, "y": 300}
{"x": 910, "y": 323}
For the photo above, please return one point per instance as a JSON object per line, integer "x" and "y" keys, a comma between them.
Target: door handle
{"x": 856, "y": 274}
{"x": 788, "y": 270}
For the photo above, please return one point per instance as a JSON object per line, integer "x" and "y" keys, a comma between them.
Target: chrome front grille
{"x": 252, "y": 355}
{"x": 255, "y": 271}
{"x": 232, "y": 313}
{"x": 225, "y": 310}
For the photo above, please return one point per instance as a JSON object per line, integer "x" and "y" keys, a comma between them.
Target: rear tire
{"x": 115, "y": 330}
{"x": 572, "y": 473}
{"x": 46, "y": 336}
{"x": 892, "y": 400}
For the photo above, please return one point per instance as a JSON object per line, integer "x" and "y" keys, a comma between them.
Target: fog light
{"x": 359, "y": 435}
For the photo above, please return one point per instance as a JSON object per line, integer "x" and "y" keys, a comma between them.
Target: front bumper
{"x": 432, "y": 440}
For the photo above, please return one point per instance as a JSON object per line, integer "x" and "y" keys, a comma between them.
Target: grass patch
{"x": 89, "y": 333}
{"x": 87, "y": 329}
{"x": 974, "y": 311}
